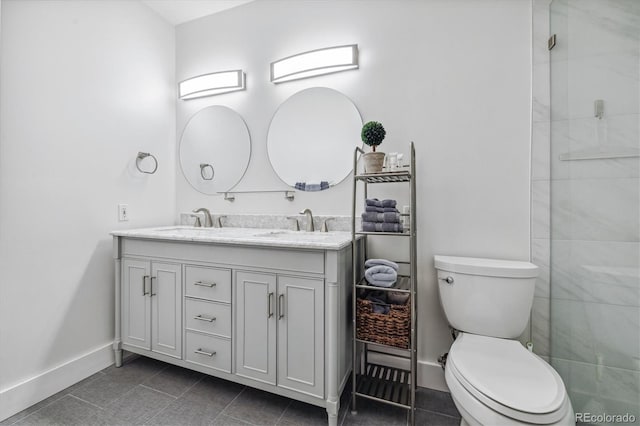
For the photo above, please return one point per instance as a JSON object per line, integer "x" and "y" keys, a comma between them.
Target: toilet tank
{"x": 489, "y": 297}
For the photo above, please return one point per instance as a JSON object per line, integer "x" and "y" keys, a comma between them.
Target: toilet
{"x": 494, "y": 380}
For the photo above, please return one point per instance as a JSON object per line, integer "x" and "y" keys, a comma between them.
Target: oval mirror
{"x": 312, "y": 137}
{"x": 215, "y": 149}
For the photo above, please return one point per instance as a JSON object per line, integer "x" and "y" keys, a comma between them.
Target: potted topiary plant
{"x": 373, "y": 134}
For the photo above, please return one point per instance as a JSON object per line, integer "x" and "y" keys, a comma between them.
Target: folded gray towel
{"x": 378, "y": 306}
{"x": 380, "y": 209}
{"x": 381, "y": 276}
{"x": 377, "y": 203}
{"x": 388, "y": 217}
{"x": 381, "y": 227}
{"x": 398, "y": 298}
{"x": 375, "y": 262}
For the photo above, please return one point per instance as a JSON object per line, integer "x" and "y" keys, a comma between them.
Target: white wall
{"x": 453, "y": 76}
{"x": 85, "y": 86}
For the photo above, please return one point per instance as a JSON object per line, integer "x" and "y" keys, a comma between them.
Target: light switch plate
{"x": 123, "y": 212}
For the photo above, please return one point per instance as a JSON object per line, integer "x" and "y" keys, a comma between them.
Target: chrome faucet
{"x": 197, "y": 222}
{"x": 325, "y": 228}
{"x": 220, "y": 220}
{"x": 309, "y": 215}
{"x": 208, "y": 222}
{"x": 296, "y": 225}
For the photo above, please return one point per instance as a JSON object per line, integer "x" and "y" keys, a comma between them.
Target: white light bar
{"x": 315, "y": 62}
{"x": 212, "y": 84}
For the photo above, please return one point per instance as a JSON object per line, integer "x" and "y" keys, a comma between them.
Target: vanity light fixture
{"x": 212, "y": 84}
{"x": 315, "y": 62}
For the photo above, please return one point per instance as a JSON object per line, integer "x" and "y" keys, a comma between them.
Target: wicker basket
{"x": 392, "y": 329}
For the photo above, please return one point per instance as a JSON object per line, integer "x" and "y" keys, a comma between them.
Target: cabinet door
{"x": 255, "y": 332}
{"x": 301, "y": 334}
{"x": 136, "y": 304}
{"x": 166, "y": 309}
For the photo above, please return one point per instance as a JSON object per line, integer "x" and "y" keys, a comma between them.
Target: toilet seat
{"x": 508, "y": 379}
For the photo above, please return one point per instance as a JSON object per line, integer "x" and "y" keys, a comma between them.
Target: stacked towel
{"x": 384, "y": 262}
{"x": 388, "y": 217}
{"x": 307, "y": 186}
{"x": 381, "y": 276}
{"x": 380, "y": 209}
{"x": 381, "y": 227}
{"x": 381, "y": 216}
{"x": 377, "y": 203}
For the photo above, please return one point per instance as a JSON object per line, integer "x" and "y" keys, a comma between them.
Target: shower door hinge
{"x": 552, "y": 42}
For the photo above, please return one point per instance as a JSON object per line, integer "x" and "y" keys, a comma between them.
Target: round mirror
{"x": 215, "y": 149}
{"x": 312, "y": 137}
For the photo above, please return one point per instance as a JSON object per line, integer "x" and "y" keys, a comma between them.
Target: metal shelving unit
{"x": 385, "y": 384}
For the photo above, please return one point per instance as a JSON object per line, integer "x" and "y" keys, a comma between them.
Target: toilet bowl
{"x": 493, "y": 379}
{"x": 496, "y": 381}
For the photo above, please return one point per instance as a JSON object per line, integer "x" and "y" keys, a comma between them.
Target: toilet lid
{"x": 507, "y": 373}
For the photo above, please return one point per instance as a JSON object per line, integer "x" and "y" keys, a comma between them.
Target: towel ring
{"x": 204, "y": 166}
{"x": 142, "y": 156}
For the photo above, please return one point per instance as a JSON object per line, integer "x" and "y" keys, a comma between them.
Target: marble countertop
{"x": 334, "y": 240}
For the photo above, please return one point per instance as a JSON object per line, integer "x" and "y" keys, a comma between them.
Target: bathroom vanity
{"x": 266, "y": 308}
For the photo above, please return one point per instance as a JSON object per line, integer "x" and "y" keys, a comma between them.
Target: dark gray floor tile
{"x": 114, "y": 382}
{"x": 104, "y": 390}
{"x": 436, "y": 401}
{"x": 184, "y": 412}
{"x": 68, "y": 410}
{"x": 257, "y": 407}
{"x": 428, "y": 418}
{"x": 135, "y": 370}
{"x": 213, "y": 391}
{"x": 371, "y": 413}
{"x": 139, "y": 405}
{"x": 223, "y": 420}
{"x": 173, "y": 380}
{"x": 102, "y": 418}
{"x": 24, "y": 413}
{"x": 298, "y": 413}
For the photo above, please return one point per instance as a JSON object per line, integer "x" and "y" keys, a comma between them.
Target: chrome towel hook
{"x": 203, "y": 167}
{"x": 141, "y": 156}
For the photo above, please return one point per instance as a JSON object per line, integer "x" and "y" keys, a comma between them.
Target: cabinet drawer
{"x": 208, "y": 283}
{"x": 209, "y": 351}
{"x": 208, "y": 317}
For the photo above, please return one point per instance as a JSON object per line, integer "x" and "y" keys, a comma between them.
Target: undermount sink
{"x": 191, "y": 230}
{"x": 300, "y": 235}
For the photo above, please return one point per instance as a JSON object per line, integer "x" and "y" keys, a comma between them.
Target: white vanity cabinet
{"x": 280, "y": 330}
{"x": 152, "y": 306}
{"x": 273, "y": 318}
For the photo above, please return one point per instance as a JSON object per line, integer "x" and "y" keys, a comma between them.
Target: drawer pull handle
{"x": 201, "y": 352}
{"x": 270, "y": 305}
{"x": 152, "y": 293}
{"x": 204, "y": 318}
{"x": 144, "y": 285}
{"x": 205, "y": 283}
{"x": 281, "y": 306}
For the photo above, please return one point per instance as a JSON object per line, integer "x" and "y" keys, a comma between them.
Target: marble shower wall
{"x": 585, "y": 230}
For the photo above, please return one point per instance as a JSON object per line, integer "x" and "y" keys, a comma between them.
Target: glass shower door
{"x": 595, "y": 206}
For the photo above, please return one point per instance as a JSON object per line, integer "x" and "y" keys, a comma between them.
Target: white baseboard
{"x": 430, "y": 374}
{"x": 33, "y": 390}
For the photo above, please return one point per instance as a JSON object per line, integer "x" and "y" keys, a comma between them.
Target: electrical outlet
{"x": 123, "y": 212}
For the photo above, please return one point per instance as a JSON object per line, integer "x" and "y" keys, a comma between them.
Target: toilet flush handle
{"x": 448, "y": 280}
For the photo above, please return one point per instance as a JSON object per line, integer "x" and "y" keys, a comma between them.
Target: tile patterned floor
{"x": 149, "y": 392}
